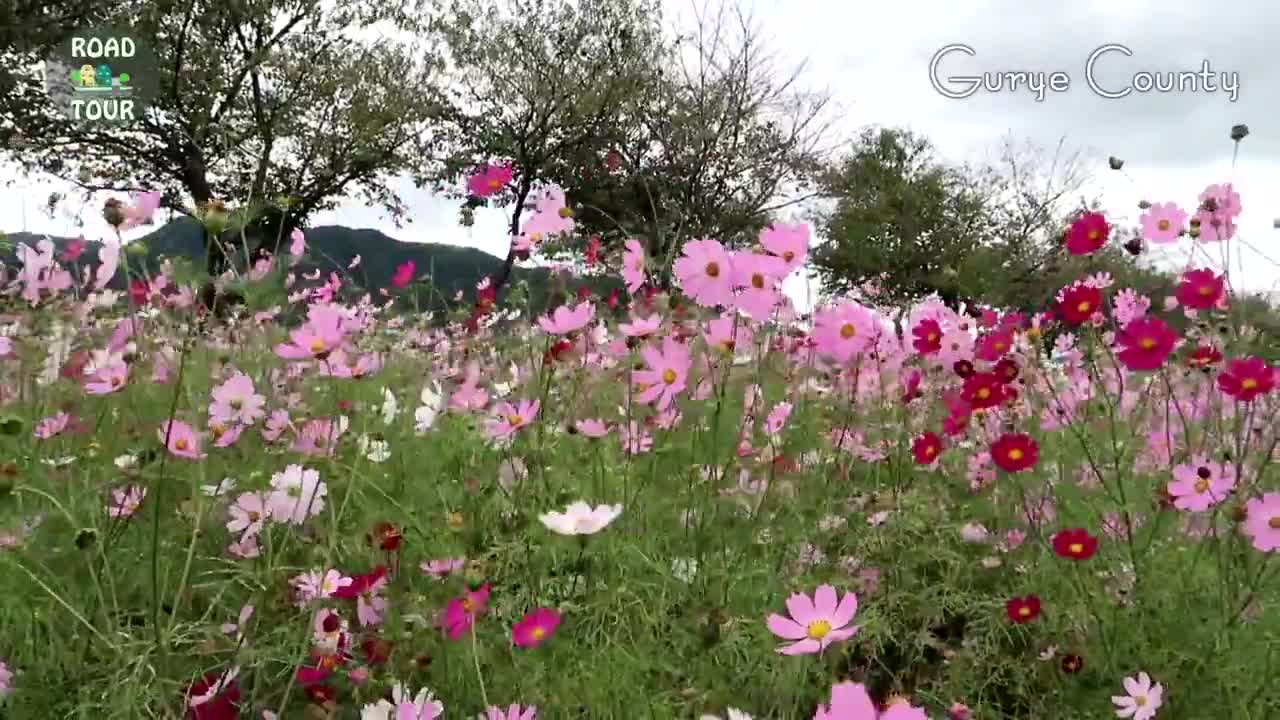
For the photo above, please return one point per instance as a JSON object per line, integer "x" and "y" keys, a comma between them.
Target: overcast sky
{"x": 874, "y": 59}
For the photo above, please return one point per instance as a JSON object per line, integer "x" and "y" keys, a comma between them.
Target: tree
{"x": 717, "y": 143}
{"x": 540, "y": 85}
{"x": 904, "y": 219}
{"x": 288, "y": 104}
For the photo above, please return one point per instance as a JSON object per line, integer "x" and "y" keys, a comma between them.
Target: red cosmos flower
{"x": 376, "y": 650}
{"x": 139, "y": 291}
{"x": 1146, "y": 343}
{"x": 928, "y": 337}
{"x": 224, "y": 703}
{"x": 911, "y": 388}
{"x": 1204, "y": 356}
{"x": 1023, "y": 609}
{"x": 962, "y": 368}
{"x": 385, "y": 536}
{"x": 72, "y": 251}
{"x": 361, "y": 583}
{"x": 615, "y": 299}
{"x": 988, "y": 318}
{"x": 460, "y": 613}
{"x": 583, "y": 292}
{"x": 1015, "y": 452}
{"x": 1078, "y": 303}
{"x": 994, "y": 345}
{"x": 557, "y": 350}
{"x": 1007, "y": 370}
{"x": 1200, "y": 289}
{"x": 592, "y": 254}
{"x": 1087, "y": 234}
{"x": 1075, "y": 544}
{"x": 983, "y": 390}
{"x": 1246, "y": 379}
{"x": 926, "y": 448}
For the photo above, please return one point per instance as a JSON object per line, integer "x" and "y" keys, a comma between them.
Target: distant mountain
{"x": 332, "y": 248}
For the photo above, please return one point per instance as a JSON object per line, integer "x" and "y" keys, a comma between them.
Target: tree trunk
{"x": 505, "y": 274}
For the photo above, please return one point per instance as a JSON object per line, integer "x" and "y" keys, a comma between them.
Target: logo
{"x": 104, "y": 76}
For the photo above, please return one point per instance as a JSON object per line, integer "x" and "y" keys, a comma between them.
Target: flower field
{"x": 686, "y": 500}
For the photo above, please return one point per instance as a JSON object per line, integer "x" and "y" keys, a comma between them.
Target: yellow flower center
{"x": 180, "y": 444}
{"x": 565, "y": 212}
{"x": 117, "y": 381}
{"x": 818, "y": 629}
{"x": 788, "y": 256}
{"x": 1206, "y": 290}
{"x": 848, "y": 330}
{"x": 1140, "y": 700}
{"x": 668, "y": 376}
{"x": 1202, "y": 485}
{"x": 1147, "y": 343}
{"x": 713, "y": 269}
{"x": 983, "y": 393}
{"x": 932, "y": 337}
{"x": 1163, "y": 224}
{"x": 757, "y": 281}
{"x": 1084, "y": 306}
{"x": 1024, "y": 611}
{"x": 1274, "y": 523}
{"x": 538, "y": 633}
{"x": 1248, "y": 383}
{"x": 236, "y": 404}
{"x": 253, "y": 516}
{"x": 1094, "y": 234}
{"x": 515, "y": 419}
{"x": 493, "y": 183}
{"x": 1015, "y": 454}
{"x": 316, "y": 346}
{"x": 1076, "y": 548}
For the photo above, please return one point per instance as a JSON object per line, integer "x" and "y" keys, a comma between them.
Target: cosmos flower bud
{"x": 213, "y": 215}
{"x": 1143, "y": 204}
{"x": 1238, "y": 132}
{"x": 1115, "y": 162}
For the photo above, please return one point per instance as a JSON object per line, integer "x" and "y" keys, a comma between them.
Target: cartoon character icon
{"x": 104, "y": 75}
{"x": 87, "y": 77}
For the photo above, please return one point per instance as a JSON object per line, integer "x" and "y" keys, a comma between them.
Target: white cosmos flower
{"x": 581, "y": 519}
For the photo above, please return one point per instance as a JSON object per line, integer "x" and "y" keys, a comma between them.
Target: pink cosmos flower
{"x": 814, "y": 623}
{"x": 1162, "y": 223}
{"x": 276, "y": 425}
{"x": 633, "y": 265}
{"x": 235, "y": 401}
{"x": 508, "y": 418}
{"x": 667, "y": 373}
{"x": 460, "y": 614}
{"x": 777, "y": 418}
{"x": 566, "y": 320}
{"x": 1262, "y": 522}
{"x": 51, "y": 426}
{"x": 314, "y": 585}
{"x": 705, "y": 273}
{"x": 323, "y": 333}
{"x": 298, "y": 493}
{"x": 790, "y": 243}
{"x": 1201, "y": 483}
{"x": 727, "y": 335}
{"x": 514, "y": 712}
{"x": 579, "y": 518}
{"x": 107, "y": 379}
{"x": 125, "y": 501}
{"x": 641, "y": 326}
{"x": 1219, "y": 208}
{"x": 550, "y": 216}
{"x": 366, "y": 589}
{"x": 1143, "y": 700}
{"x": 140, "y": 211}
{"x": 180, "y": 439}
{"x": 248, "y": 514}
{"x": 443, "y": 567}
{"x": 535, "y": 628}
{"x": 319, "y": 436}
{"x": 757, "y": 277}
{"x": 403, "y": 706}
{"x": 6, "y": 680}
{"x": 635, "y": 439}
{"x": 844, "y": 330}
{"x": 591, "y": 427}
{"x": 850, "y": 701}
{"x": 488, "y": 180}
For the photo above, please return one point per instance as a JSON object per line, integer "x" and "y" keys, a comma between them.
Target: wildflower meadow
{"x": 684, "y": 499}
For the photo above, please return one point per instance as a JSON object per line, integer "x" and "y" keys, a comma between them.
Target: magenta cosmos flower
{"x": 488, "y": 180}
{"x": 1262, "y": 522}
{"x": 535, "y": 628}
{"x": 514, "y": 712}
{"x": 1201, "y": 484}
{"x": 667, "y": 373}
{"x": 814, "y": 623}
{"x": 705, "y": 273}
